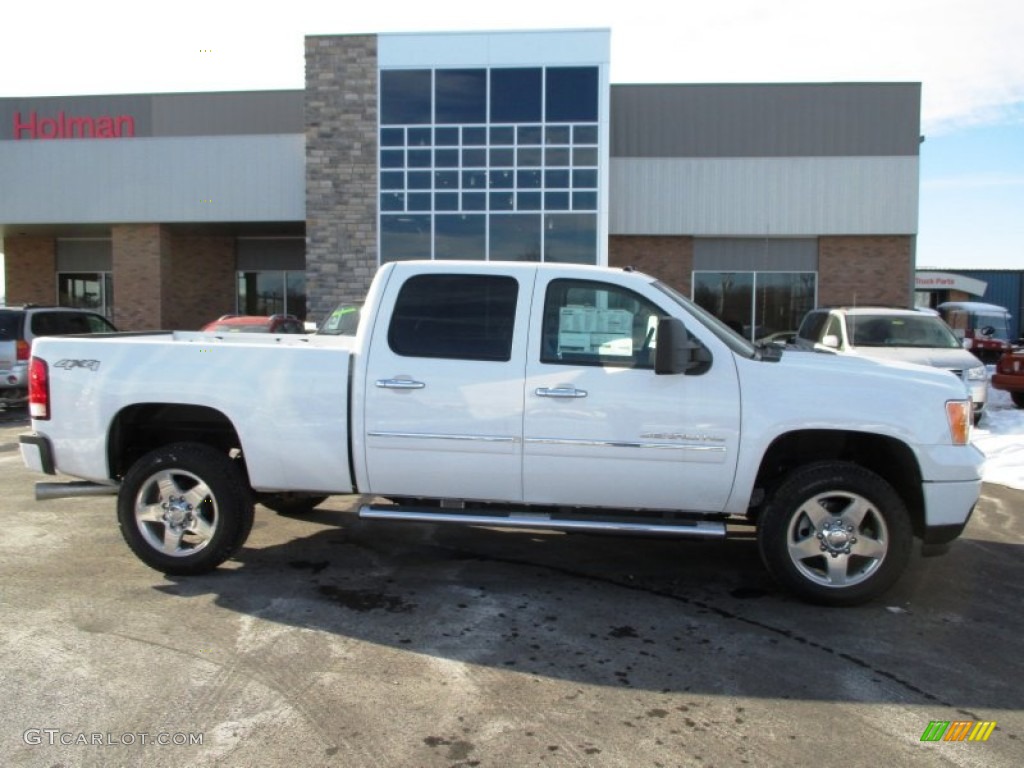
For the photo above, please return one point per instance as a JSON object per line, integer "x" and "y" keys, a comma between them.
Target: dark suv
{"x": 19, "y": 325}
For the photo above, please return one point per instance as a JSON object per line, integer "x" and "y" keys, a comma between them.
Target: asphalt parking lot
{"x": 336, "y": 642}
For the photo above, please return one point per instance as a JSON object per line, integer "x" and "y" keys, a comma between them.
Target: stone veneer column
{"x": 30, "y": 268}
{"x": 141, "y": 276}
{"x": 341, "y": 170}
{"x": 859, "y": 270}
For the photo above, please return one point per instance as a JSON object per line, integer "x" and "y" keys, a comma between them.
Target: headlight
{"x": 980, "y": 373}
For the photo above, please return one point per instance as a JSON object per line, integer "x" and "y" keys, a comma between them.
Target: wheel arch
{"x": 140, "y": 428}
{"x": 888, "y": 457}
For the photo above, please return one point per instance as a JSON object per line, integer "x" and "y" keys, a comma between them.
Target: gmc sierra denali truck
{"x": 570, "y": 398}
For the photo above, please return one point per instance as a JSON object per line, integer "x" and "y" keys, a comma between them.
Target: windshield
{"x": 999, "y": 324}
{"x": 922, "y": 331}
{"x": 735, "y": 342}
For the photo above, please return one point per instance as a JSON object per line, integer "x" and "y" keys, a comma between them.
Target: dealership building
{"x": 167, "y": 210}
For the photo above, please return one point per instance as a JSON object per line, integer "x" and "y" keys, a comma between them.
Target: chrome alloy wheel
{"x": 176, "y": 513}
{"x": 837, "y": 539}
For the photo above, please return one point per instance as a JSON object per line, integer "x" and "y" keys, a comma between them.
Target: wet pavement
{"x": 334, "y": 641}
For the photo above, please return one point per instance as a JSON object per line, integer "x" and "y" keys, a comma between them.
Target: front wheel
{"x": 1018, "y": 399}
{"x": 835, "y": 533}
{"x": 184, "y": 508}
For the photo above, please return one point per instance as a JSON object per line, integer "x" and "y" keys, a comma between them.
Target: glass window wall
{"x": 757, "y": 305}
{"x": 272, "y": 292}
{"x": 498, "y": 163}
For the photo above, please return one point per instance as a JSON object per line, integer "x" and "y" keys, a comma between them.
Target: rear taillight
{"x": 38, "y": 389}
{"x": 24, "y": 350}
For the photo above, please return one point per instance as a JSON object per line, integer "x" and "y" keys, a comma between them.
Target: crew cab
{"x": 520, "y": 395}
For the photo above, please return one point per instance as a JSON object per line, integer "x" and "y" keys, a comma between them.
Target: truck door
{"x": 444, "y": 386}
{"x": 601, "y": 428}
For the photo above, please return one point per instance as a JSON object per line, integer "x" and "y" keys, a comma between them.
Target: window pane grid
{"x": 538, "y": 163}
{"x": 535, "y": 160}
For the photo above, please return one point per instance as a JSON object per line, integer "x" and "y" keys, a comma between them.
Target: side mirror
{"x": 988, "y": 331}
{"x": 677, "y": 351}
{"x": 831, "y": 341}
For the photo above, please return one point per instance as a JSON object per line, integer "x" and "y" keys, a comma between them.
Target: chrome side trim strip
{"x": 438, "y": 436}
{"x": 618, "y": 444}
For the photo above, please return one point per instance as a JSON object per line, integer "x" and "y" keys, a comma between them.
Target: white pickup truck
{"x": 560, "y": 397}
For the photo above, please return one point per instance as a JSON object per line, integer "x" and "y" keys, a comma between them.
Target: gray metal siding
{"x": 764, "y": 197}
{"x": 217, "y": 114}
{"x": 195, "y": 179}
{"x": 259, "y": 253}
{"x": 84, "y": 255}
{"x": 756, "y": 254}
{"x": 766, "y": 120}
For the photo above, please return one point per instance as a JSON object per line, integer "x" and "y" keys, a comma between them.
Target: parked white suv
{"x": 19, "y": 325}
{"x": 904, "y": 335}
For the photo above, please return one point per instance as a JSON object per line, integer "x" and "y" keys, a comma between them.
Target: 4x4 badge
{"x": 70, "y": 365}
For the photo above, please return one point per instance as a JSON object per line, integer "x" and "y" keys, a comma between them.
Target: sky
{"x": 966, "y": 53}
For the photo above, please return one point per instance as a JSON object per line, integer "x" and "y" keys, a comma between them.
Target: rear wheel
{"x": 1018, "y": 399}
{"x": 835, "y": 533}
{"x": 185, "y": 508}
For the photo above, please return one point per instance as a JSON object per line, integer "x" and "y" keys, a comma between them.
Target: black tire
{"x": 835, "y": 533}
{"x": 185, "y": 508}
{"x": 1018, "y": 399}
{"x": 291, "y": 503}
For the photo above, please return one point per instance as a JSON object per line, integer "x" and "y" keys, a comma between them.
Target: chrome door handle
{"x": 399, "y": 384}
{"x": 569, "y": 392}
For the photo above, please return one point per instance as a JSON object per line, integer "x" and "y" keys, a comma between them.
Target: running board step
{"x": 702, "y": 529}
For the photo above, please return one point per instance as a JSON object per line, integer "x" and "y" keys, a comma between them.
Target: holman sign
{"x": 64, "y": 126}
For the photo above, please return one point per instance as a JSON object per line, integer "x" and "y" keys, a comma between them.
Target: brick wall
{"x": 142, "y": 271}
{"x": 30, "y": 266}
{"x": 670, "y": 259}
{"x": 855, "y": 270}
{"x": 168, "y": 282}
{"x": 341, "y": 170}
{"x": 202, "y": 286}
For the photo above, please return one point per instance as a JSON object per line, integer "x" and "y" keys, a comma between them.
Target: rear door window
{"x": 461, "y": 317}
